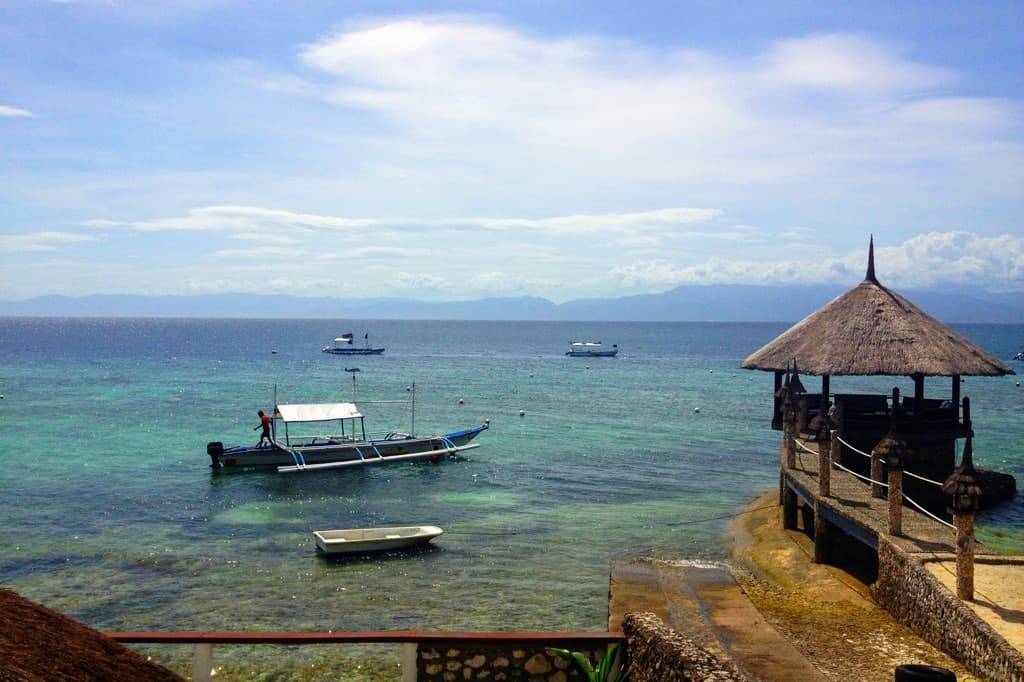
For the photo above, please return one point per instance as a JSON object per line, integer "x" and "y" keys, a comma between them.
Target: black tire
{"x": 913, "y": 672}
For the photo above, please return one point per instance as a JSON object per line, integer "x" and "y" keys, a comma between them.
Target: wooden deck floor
{"x": 851, "y": 499}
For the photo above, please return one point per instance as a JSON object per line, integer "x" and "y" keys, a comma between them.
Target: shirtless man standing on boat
{"x": 265, "y": 425}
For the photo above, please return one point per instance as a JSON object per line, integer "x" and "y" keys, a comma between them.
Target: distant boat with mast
{"x": 343, "y": 345}
{"x": 590, "y": 349}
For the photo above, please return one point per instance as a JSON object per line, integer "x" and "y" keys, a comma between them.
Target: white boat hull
{"x": 366, "y": 540}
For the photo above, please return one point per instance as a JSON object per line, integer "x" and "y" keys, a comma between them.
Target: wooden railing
{"x": 203, "y": 642}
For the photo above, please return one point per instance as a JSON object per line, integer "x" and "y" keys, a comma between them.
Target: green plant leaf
{"x": 580, "y": 660}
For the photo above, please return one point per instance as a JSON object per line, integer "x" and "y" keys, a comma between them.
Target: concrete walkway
{"x": 998, "y": 593}
{"x": 705, "y": 603}
{"x": 851, "y": 498}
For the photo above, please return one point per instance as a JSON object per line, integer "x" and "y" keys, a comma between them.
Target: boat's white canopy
{"x": 585, "y": 343}
{"x": 317, "y": 412}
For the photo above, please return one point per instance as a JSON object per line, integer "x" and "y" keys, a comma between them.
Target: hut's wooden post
{"x": 824, "y": 462}
{"x": 821, "y": 535}
{"x": 801, "y": 421}
{"x": 790, "y": 437}
{"x": 840, "y": 432}
{"x": 895, "y": 500}
{"x": 776, "y": 401}
{"x": 955, "y": 399}
{"x": 918, "y": 398}
{"x": 836, "y": 446}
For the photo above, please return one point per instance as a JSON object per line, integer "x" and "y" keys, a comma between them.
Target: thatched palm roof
{"x": 37, "y": 644}
{"x": 873, "y": 330}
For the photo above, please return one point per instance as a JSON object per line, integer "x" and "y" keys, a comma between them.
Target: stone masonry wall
{"x": 917, "y": 599}
{"x": 496, "y": 663}
{"x": 657, "y": 653}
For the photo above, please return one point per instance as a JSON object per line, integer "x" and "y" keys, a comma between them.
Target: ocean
{"x": 112, "y": 514}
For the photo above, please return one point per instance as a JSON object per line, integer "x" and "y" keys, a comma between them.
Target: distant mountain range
{"x": 718, "y": 303}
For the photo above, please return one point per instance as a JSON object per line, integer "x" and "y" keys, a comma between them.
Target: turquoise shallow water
{"x": 111, "y": 513}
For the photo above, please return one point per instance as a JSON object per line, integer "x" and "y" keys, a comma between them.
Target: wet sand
{"x": 825, "y": 612}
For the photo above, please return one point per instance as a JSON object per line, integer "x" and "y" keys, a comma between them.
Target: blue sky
{"x": 455, "y": 150}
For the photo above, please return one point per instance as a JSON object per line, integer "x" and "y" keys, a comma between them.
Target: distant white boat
{"x": 343, "y": 346}
{"x": 364, "y": 540}
{"x": 590, "y": 349}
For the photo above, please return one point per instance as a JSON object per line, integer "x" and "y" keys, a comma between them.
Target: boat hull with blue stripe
{"x": 350, "y": 447}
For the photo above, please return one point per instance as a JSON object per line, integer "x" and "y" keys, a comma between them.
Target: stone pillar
{"x": 789, "y": 509}
{"x": 877, "y": 472}
{"x": 895, "y": 501}
{"x": 824, "y": 463}
{"x": 964, "y": 486}
{"x": 964, "y": 555}
{"x": 821, "y": 536}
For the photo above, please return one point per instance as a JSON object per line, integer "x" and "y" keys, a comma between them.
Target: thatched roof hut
{"x": 872, "y": 330}
{"x": 37, "y": 644}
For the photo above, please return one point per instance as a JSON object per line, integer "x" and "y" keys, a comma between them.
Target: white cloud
{"x": 14, "y": 112}
{"x": 239, "y": 218}
{"x": 927, "y": 260}
{"x": 601, "y": 110}
{"x": 848, "y": 63}
{"x": 250, "y": 222}
{"x": 31, "y": 242}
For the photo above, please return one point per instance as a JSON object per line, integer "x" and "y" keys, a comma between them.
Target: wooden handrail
{"x": 358, "y": 637}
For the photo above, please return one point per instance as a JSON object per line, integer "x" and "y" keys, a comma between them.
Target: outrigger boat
{"x": 343, "y": 346}
{"x": 349, "y": 448}
{"x": 590, "y": 349}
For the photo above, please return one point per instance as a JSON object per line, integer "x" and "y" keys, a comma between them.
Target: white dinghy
{"x": 364, "y": 540}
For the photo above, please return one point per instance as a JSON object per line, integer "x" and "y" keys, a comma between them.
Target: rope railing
{"x": 928, "y": 513}
{"x": 908, "y": 473}
{"x": 922, "y": 478}
{"x": 860, "y": 476}
{"x": 840, "y": 466}
{"x": 884, "y": 485}
{"x": 859, "y": 452}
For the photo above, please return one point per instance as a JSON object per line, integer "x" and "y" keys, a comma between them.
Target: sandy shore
{"x": 824, "y": 611}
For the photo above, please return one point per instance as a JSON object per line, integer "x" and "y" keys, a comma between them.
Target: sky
{"x": 454, "y": 150}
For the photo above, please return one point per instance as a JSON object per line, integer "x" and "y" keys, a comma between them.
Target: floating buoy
{"x": 696, "y": 410}
{"x": 711, "y": 371}
{"x": 461, "y": 401}
{"x": 1018, "y": 386}
{"x": 522, "y": 413}
{"x": 408, "y": 388}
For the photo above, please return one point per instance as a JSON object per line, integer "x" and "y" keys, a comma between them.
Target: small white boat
{"x": 364, "y": 540}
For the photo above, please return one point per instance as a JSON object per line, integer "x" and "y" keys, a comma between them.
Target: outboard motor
{"x": 214, "y": 450}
